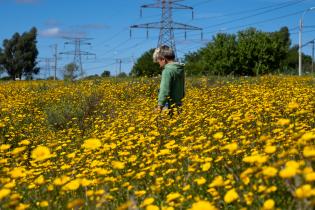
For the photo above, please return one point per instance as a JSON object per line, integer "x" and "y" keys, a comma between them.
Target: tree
{"x": 145, "y": 66}
{"x": 122, "y": 74}
{"x": 106, "y": 73}
{"x": 250, "y": 52}
{"x": 20, "y": 54}
{"x": 70, "y": 71}
{"x": 194, "y": 64}
{"x": 1, "y": 59}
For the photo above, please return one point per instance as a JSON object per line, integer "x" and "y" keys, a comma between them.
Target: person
{"x": 172, "y": 86}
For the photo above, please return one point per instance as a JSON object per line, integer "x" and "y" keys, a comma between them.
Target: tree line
{"x": 250, "y": 52}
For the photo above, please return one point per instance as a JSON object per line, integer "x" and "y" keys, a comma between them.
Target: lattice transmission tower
{"x": 77, "y": 52}
{"x": 167, "y": 25}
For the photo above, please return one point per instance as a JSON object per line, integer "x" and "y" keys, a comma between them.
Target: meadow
{"x": 245, "y": 143}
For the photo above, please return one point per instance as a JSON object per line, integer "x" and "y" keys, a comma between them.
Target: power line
{"x": 254, "y": 15}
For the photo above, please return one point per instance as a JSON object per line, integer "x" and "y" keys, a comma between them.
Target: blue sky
{"x": 107, "y": 23}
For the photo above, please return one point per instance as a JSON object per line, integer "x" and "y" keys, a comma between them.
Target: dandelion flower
{"x": 118, "y": 165}
{"x": 218, "y": 135}
{"x": 304, "y": 191}
{"x": 200, "y": 181}
{"x": 231, "y": 196}
{"x": 92, "y": 144}
{"x": 40, "y": 153}
{"x": 203, "y": 205}
{"x": 206, "y": 166}
{"x": 72, "y": 185}
{"x": 172, "y": 196}
{"x": 147, "y": 201}
{"x": 152, "y": 207}
{"x": 4, "y": 193}
{"x": 269, "y": 204}
{"x": 270, "y": 171}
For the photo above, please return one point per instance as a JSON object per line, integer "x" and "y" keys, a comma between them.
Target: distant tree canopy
{"x": 19, "y": 54}
{"x": 145, "y": 66}
{"x": 70, "y": 71}
{"x": 106, "y": 73}
{"x": 250, "y": 52}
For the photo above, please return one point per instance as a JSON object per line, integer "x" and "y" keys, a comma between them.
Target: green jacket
{"x": 172, "y": 87}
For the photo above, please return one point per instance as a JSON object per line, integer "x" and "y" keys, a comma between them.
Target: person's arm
{"x": 164, "y": 88}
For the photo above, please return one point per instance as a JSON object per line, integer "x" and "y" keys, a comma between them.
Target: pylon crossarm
{"x": 181, "y": 26}
{"x": 155, "y": 25}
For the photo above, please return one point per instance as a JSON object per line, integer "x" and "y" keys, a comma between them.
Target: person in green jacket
{"x": 172, "y": 86}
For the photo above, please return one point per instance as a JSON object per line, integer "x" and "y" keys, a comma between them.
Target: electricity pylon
{"x": 167, "y": 25}
{"x": 77, "y": 52}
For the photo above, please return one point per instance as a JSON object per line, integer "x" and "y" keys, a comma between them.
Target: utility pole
{"x": 77, "y": 52}
{"x": 310, "y": 42}
{"x": 55, "y": 49}
{"x": 167, "y": 25}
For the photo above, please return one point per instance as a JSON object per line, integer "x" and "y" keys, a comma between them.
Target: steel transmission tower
{"x": 167, "y": 25}
{"x": 78, "y": 53}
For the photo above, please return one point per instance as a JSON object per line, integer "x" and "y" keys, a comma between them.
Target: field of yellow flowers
{"x": 98, "y": 144}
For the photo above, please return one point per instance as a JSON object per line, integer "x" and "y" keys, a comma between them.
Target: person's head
{"x": 163, "y": 55}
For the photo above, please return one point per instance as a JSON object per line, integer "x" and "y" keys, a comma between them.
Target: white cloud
{"x": 51, "y": 32}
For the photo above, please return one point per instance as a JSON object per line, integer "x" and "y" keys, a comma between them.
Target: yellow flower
{"x": 304, "y": 191}
{"x": 218, "y": 135}
{"x": 92, "y": 144}
{"x": 249, "y": 197}
{"x": 18, "y": 172}
{"x": 72, "y": 185}
{"x": 43, "y": 204}
{"x": 309, "y": 152}
{"x": 293, "y": 105}
{"x": 231, "y": 196}
{"x": 206, "y": 166}
{"x": 270, "y": 149}
{"x": 283, "y": 122}
{"x": 40, "y": 153}
{"x": 172, "y": 196}
{"x": 231, "y": 147}
{"x": 269, "y": 204}
{"x": 152, "y": 207}
{"x": 131, "y": 129}
{"x": 310, "y": 177}
{"x": 75, "y": 204}
{"x": 140, "y": 193}
{"x": 4, "y": 147}
{"x": 203, "y": 205}
{"x": 39, "y": 180}
{"x": 118, "y": 165}
{"x": 147, "y": 201}
{"x": 255, "y": 159}
{"x": 187, "y": 187}
{"x": 200, "y": 181}
{"x": 270, "y": 171}
{"x": 217, "y": 182}
{"x": 308, "y": 136}
{"x": 4, "y": 193}
{"x": 18, "y": 150}
{"x": 25, "y": 142}
{"x": 22, "y": 206}
{"x": 288, "y": 172}
{"x": 61, "y": 180}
